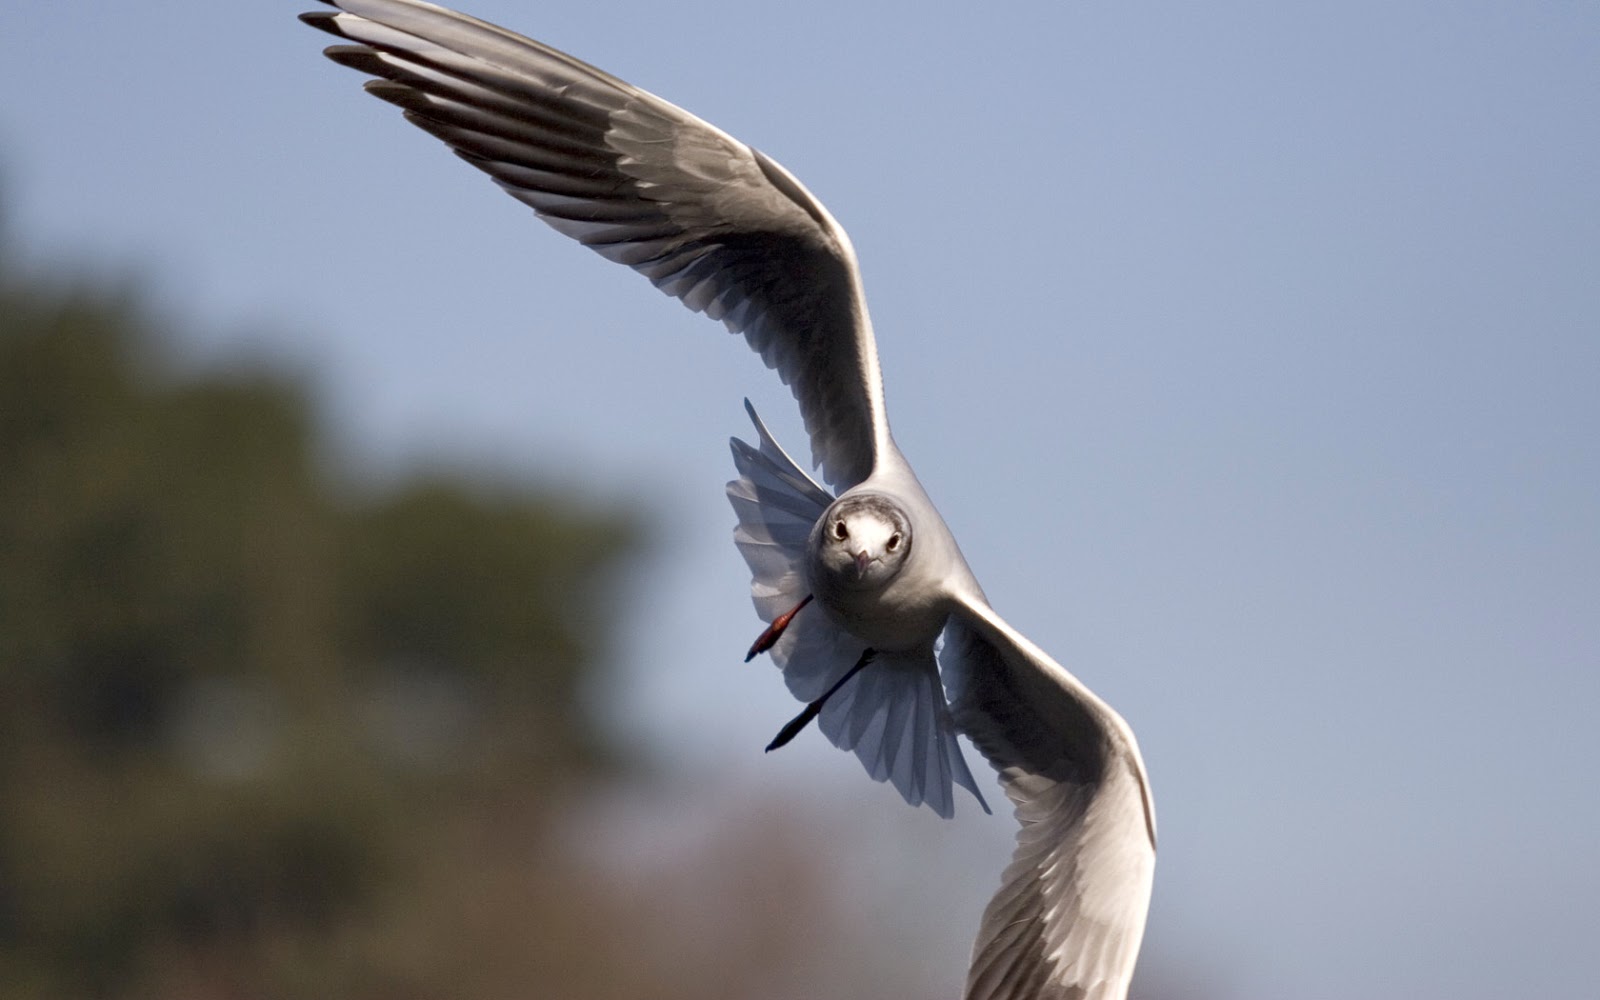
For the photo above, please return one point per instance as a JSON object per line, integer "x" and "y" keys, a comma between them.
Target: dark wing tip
{"x": 322, "y": 20}
{"x": 398, "y": 94}
{"x": 356, "y": 57}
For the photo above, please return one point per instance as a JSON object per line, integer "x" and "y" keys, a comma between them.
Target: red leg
{"x": 770, "y": 636}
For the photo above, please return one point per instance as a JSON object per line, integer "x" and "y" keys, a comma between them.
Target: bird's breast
{"x": 904, "y": 613}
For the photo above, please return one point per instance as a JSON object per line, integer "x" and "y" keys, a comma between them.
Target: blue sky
{"x": 1251, "y": 351}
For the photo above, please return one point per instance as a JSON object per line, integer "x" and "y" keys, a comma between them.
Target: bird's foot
{"x": 772, "y": 633}
{"x": 812, "y": 710}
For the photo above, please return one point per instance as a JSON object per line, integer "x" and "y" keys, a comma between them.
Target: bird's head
{"x": 863, "y": 540}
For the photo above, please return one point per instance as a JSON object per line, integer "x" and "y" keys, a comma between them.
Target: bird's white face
{"x": 863, "y": 541}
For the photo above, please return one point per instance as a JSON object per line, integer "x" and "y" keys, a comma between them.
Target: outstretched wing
{"x": 644, "y": 183}
{"x": 892, "y": 714}
{"x": 1070, "y": 912}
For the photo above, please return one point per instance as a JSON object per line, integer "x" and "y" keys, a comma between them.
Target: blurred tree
{"x": 235, "y": 705}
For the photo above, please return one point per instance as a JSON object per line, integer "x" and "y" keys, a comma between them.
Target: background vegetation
{"x": 263, "y": 732}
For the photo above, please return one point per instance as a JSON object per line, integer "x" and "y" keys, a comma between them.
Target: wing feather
{"x": 1069, "y": 916}
{"x": 644, "y": 183}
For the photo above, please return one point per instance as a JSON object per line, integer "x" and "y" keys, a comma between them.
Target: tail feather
{"x": 894, "y": 718}
{"x": 777, "y": 504}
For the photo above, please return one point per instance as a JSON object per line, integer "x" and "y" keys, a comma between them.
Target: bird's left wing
{"x": 1070, "y": 913}
{"x": 644, "y": 183}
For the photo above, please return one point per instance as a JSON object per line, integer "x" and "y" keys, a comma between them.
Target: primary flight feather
{"x": 859, "y": 585}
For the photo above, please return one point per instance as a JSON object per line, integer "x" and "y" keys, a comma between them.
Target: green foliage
{"x": 235, "y": 706}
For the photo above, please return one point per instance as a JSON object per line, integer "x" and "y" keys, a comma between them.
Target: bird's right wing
{"x": 643, "y": 183}
{"x": 1070, "y": 913}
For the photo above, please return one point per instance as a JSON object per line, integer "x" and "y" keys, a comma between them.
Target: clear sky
{"x": 1251, "y": 351}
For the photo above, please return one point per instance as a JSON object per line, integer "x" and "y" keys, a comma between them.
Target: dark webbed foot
{"x": 812, "y": 710}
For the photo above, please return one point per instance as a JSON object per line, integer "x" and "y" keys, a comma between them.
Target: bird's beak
{"x": 862, "y": 562}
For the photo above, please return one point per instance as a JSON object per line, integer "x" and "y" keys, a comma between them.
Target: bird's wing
{"x": 1070, "y": 912}
{"x": 644, "y": 183}
{"x": 893, "y": 713}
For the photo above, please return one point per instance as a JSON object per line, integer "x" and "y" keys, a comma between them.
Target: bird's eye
{"x": 840, "y": 531}
{"x": 894, "y": 542}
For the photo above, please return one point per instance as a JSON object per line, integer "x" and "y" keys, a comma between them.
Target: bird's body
{"x": 874, "y": 615}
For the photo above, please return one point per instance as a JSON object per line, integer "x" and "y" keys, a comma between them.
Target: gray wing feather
{"x": 1068, "y": 919}
{"x": 644, "y": 183}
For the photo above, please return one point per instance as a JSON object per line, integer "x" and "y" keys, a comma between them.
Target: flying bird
{"x": 872, "y": 613}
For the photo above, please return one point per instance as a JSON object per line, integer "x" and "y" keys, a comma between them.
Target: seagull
{"x": 872, "y": 613}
